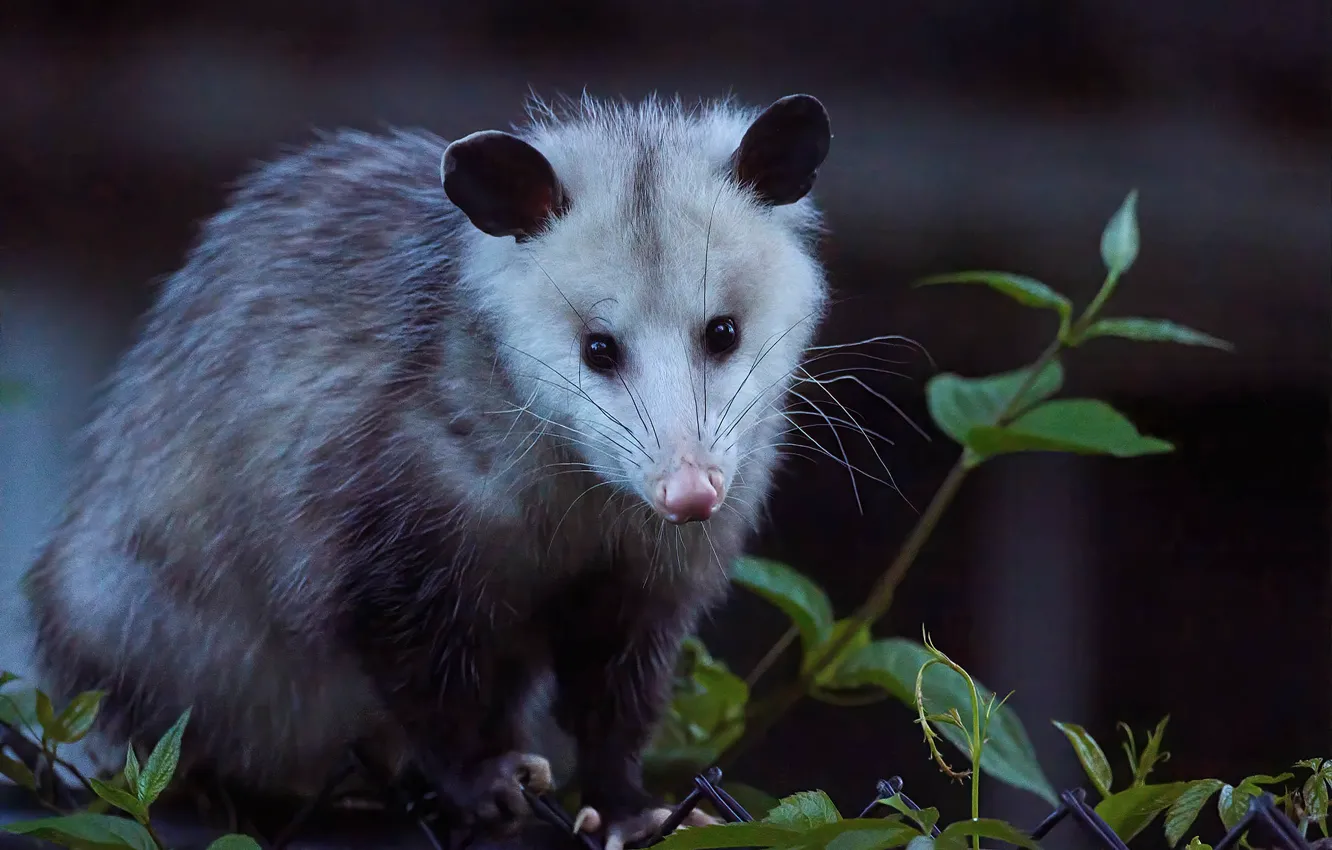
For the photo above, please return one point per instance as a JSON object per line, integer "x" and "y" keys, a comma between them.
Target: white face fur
{"x": 656, "y": 305}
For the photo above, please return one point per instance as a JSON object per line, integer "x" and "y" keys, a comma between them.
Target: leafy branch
{"x": 131, "y": 792}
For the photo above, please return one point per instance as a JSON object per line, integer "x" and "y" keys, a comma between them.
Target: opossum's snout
{"x": 687, "y": 489}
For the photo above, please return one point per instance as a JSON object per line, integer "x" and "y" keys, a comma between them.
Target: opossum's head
{"x": 651, "y": 275}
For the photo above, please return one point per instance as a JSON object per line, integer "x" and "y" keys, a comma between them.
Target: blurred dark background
{"x": 969, "y": 133}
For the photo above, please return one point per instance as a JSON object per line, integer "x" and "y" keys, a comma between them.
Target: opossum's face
{"x": 656, "y": 312}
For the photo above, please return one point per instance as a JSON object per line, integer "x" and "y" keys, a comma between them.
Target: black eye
{"x": 600, "y": 352}
{"x": 720, "y": 335}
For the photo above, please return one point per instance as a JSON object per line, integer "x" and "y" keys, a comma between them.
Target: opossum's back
{"x": 267, "y": 708}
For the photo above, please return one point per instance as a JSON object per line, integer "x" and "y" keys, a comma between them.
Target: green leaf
{"x": 17, "y": 772}
{"x": 892, "y": 664}
{"x": 77, "y": 718}
{"x": 1196, "y": 843}
{"x": 19, "y": 710}
{"x": 1233, "y": 803}
{"x": 804, "y": 810}
{"x": 46, "y": 715}
{"x": 1077, "y": 425}
{"x": 921, "y": 842}
{"x": 1315, "y": 794}
{"x": 954, "y": 836}
{"x": 161, "y": 765}
{"x": 706, "y": 714}
{"x": 84, "y": 831}
{"x": 1131, "y": 810}
{"x": 958, "y": 405}
{"x": 858, "y": 834}
{"x": 755, "y": 801}
{"x": 122, "y": 800}
{"x": 234, "y": 842}
{"x": 6, "y": 677}
{"x": 1024, "y": 290}
{"x": 1090, "y": 755}
{"x": 1184, "y": 811}
{"x": 925, "y": 819}
{"x": 1119, "y": 240}
{"x": 1152, "y": 330}
{"x": 755, "y": 834}
{"x": 799, "y": 598}
{"x": 131, "y": 768}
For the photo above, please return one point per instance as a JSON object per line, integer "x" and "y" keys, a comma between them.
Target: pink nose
{"x": 690, "y": 494}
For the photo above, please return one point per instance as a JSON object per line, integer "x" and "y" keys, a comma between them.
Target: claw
{"x": 588, "y": 820}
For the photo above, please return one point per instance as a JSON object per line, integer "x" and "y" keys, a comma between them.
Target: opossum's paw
{"x": 637, "y": 827}
{"x": 495, "y": 798}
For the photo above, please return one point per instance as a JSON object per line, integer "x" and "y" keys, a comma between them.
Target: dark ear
{"x": 782, "y": 150}
{"x": 501, "y": 183}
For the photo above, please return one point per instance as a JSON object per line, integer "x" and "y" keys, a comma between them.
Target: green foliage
{"x": 804, "y": 810}
{"x": 1152, "y": 330}
{"x": 1076, "y": 425}
{"x": 161, "y": 764}
{"x": 87, "y": 831}
{"x": 705, "y": 716}
{"x": 953, "y": 837}
{"x": 1234, "y": 800}
{"x": 1090, "y": 755}
{"x": 1130, "y": 811}
{"x": 1024, "y": 290}
{"x": 1119, "y": 241}
{"x": 797, "y": 596}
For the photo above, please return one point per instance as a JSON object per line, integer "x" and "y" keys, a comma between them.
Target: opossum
{"x": 418, "y": 423}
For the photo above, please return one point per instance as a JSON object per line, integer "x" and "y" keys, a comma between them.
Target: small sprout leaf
{"x": 1119, "y": 240}
{"x": 132, "y": 768}
{"x": 1151, "y": 753}
{"x": 123, "y": 800}
{"x": 795, "y": 594}
{"x": 77, "y": 719}
{"x": 17, "y": 772}
{"x": 1090, "y": 755}
{"x": 161, "y": 764}
{"x": 958, "y": 405}
{"x": 6, "y": 677}
{"x": 1196, "y": 843}
{"x": 954, "y": 836}
{"x": 1152, "y": 330}
{"x": 1076, "y": 425}
{"x": 234, "y": 842}
{"x": 1130, "y": 811}
{"x": 804, "y": 810}
{"x": 85, "y": 831}
{"x": 46, "y": 716}
{"x": 1184, "y": 811}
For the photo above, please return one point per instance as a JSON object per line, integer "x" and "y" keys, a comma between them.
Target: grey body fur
{"x": 345, "y": 373}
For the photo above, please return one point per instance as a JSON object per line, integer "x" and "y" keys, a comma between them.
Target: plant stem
{"x": 881, "y": 596}
{"x": 770, "y": 657}
{"x": 978, "y": 748}
{"x": 152, "y": 833}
